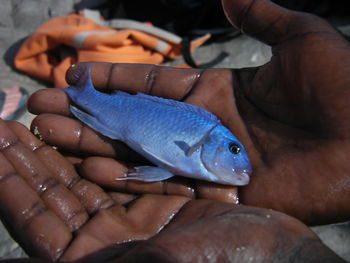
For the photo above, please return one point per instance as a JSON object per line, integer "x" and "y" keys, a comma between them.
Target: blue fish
{"x": 179, "y": 138}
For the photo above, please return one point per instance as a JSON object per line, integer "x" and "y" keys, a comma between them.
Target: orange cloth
{"x": 45, "y": 54}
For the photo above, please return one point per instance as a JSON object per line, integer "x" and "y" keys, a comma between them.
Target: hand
{"x": 292, "y": 114}
{"x": 57, "y": 215}
{"x": 49, "y": 200}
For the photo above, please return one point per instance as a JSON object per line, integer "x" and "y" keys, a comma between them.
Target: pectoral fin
{"x": 148, "y": 174}
{"x": 92, "y": 122}
{"x": 189, "y": 150}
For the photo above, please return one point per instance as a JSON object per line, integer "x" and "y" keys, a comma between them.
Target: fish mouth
{"x": 234, "y": 179}
{"x": 242, "y": 179}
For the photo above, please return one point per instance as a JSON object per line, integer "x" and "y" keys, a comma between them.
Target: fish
{"x": 178, "y": 138}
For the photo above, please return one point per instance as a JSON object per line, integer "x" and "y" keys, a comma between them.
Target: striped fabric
{"x": 10, "y": 99}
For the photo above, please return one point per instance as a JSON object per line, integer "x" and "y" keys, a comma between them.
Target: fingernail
{"x": 74, "y": 73}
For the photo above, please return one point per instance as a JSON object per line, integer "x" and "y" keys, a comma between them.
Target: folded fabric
{"x": 63, "y": 41}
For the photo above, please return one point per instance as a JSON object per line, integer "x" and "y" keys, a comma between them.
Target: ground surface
{"x": 20, "y": 18}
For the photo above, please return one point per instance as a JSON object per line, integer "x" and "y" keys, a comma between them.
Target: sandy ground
{"x": 244, "y": 52}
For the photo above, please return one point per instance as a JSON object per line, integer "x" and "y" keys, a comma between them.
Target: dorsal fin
{"x": 173, "y": 103}
{"x": 181, "y": 105}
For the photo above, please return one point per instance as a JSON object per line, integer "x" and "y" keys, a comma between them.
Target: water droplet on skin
{"x": 77, "y": 133}
{"x": 49, "y": 132}
{"x": 25, "y": 211}
{"x": 42, "y": 187}
{"x": 34, "y": 148}
{"x": 4, "y": 143}
{"x": 236, "y": 199}
{"x": 240, "y": 248}
{"x": 37, "y": 133}
{"x": 36, "y": 130}
{"x": 268, "y": 216}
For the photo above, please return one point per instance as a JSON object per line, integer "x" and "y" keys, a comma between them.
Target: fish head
{"x": 225, "y": 157}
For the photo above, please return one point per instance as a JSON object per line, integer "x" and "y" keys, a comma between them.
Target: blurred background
{"x": 227, "y": 48}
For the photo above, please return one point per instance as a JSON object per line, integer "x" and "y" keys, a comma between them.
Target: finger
{"x": 74, "y": 160}
{"x": 70, "y": 135}
{"x": 122, "y": 198}
{"x": 37, "y": 221}
{"x": 105, "y": 171}
{"x": 53, "y": 101}
{"x": 91, "y": 196}
{"x": 217, "y": 192}
{"x": 209, "y": 89}
{"x": 212, "y": 85}
{"x": 52, "y": 159}
{"x": 269, "y": 22}
{"x": 140, "y": 221}
{"x": 28, "y": 217}
{"x": 149, "y": 79}
{"x": 55, "y": 195}
{"x": 73, "y": 136}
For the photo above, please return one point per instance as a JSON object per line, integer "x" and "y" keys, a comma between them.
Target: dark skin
{"x": 291, "y": 114}
{"x": 56, "y": 214}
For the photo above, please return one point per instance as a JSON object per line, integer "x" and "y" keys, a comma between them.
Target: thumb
{"x": 269, "y": 22}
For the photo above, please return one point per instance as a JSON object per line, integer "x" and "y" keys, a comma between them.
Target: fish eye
{"x": 234, "y": 148}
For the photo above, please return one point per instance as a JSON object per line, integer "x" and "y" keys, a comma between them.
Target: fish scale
{"x": 166, "y": 123}
{"x": 179, "y": 138}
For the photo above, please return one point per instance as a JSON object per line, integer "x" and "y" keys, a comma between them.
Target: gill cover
{"x": 225, "y": 157}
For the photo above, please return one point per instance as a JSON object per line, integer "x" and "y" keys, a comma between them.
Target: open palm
{"x": 291, "y": 114}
